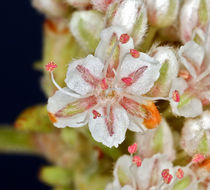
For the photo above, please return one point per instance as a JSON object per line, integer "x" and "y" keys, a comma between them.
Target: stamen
{"x": 137, "y": 161}
{"x": 197, "y": 158}
{"x": 134, "y": 53}
{"x": 62, "y": 90}
{"x": 51, "y": 66}
{"x": 180, "y": 173}
{"x": 104, "y": 84}
{"x": 184, "y": 74}
{"x": 132, "y": 148}
{"x": 127, "y": 80}
{"x": 167, "y": 177}
{"x": 124, "y": 38}
{"x": 176, "y": 96}
{"x": 96, "y": 114}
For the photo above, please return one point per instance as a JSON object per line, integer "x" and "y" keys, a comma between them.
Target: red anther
{"x": 134, "y": 53}
{"x": 197, "y": 158}
{"x": 137, "y": 161}
{"x": 124, "y": 38}
{"x": 127, "y": 80}
{"x": 132, "y": 149}
{"x": 180, "y": 173}
{"x": 165, "y": 173}
{"x": 104, "y": 85}
{"x": 96, "y": 114}
{"x": 50, "y": 66}
{"x": 168, "y": 179}
{"x": 176, "y": 96}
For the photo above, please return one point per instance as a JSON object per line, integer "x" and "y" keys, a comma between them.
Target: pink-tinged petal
{"x": 192, "y": 55}
{"x": 84, "y": 74}
{"x": 76, "y": 107}
{"x": 57, "y": 102}
{"x": 144, "y": 70}
{"x": 134, "y": 108}
{"x": 110, "y": 128}
{"x": 187, "y": 106}
{"x": 110, "y": 36}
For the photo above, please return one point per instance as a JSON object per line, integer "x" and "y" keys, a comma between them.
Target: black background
{"x": 21, "y": 45}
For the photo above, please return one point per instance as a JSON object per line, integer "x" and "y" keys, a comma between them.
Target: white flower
{"x": 106, "y": 91}
{"x": 194, "y": 82}
{"x": 149, "y": 176}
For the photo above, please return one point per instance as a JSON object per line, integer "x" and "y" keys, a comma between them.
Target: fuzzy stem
{"x": 13, "y": 141}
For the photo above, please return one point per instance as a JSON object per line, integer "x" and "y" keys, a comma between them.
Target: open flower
{"x": 106, "y": 91}
{"x": 154, "y": 173}
{"x": 193, "y": 85}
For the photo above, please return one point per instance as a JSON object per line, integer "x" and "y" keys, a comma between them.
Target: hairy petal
{"x": 84, "y": 74}
{"x": 145, "y": 67}
{"x": 110, "y": 133}
{"x": 192, "y": 55}
{"x": 57, "y": 102}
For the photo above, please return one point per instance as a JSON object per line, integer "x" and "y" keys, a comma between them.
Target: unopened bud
{"x": 162, "y": 13}
{"x": 82, "y": 25}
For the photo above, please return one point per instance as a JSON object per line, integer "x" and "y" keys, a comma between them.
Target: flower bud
{"x": 79, "y": 3}
{"x": 52, "y": 8}
{"x": 162, "y": 13}
{"x": 196, "y": 135}
{"x": 86, "y": 27}
{"x": 157, "y": 140}
{"x": 129, "y": 14}
{"x": 169, "y": 71}
{"x": 194, "y": 14}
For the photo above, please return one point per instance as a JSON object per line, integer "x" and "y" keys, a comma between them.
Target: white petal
{"x": 58, "y": 101}
{"x": 105, "y": 40}
{"x": 136, "y": 126}
{"x": 123, "y": 165}
{"x": 192, "y": 109}
{"x": 99, "y": 130}
{"x": 149, "y": 76}
{"x": 74, "y": 79}
{"x": 192, "y": 55}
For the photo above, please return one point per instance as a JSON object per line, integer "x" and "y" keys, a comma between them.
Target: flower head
{"x": 97, "y": 94}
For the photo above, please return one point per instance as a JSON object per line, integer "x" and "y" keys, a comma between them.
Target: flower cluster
{"x": 114, "y": 65}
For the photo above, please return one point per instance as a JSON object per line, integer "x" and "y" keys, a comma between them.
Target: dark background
{"x": 21, "y": 42}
